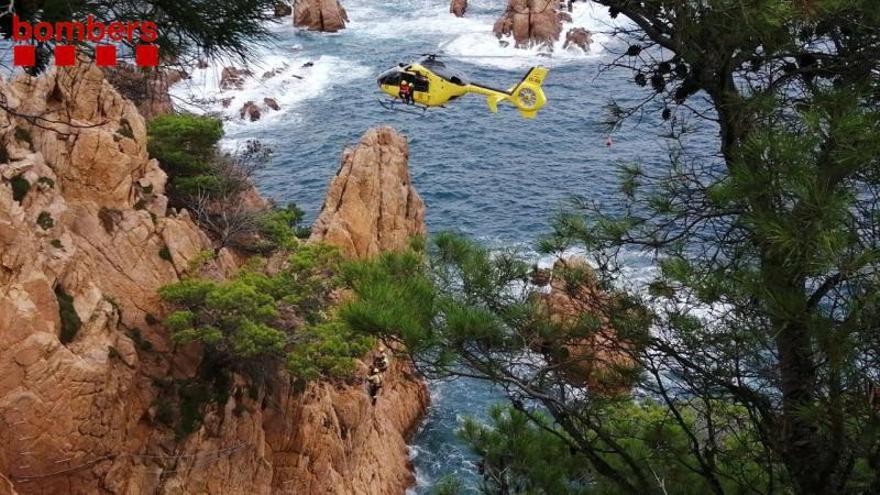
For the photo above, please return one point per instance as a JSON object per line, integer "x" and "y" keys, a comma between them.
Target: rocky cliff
{"x": 147, "y": 89}
{"x": 85, "y": 240}
{"x": 371, "y": 205}
{"x": 578, "y": 37}
{"x": 319, "y": 15}
{"x": 458, "y": 7}
{"x": 530, "y": 22}
{"x": 602, "y": 361}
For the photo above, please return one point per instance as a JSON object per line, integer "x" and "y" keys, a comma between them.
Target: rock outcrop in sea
{"x": 578, "y": 37}
{"x": 283, "y": 8}
{"x": 602, "y": 362}
{"x": 250, "y": 111}
{"x": 458, "y": 7}
{"x": 371, "y": 205}
{"x": 86, "y": 239}
{"x": 530, "y": 22}
{"x": 233, "y": 77}
{"x": 319, "y": 15}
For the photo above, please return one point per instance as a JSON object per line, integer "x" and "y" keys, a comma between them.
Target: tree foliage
{"x": 186, "y": 147}
{"x": 525, "y": 452}
{"x": 187, "y": 29}
{"x": 255, "y": 321}
{"x": 761, "y": 351}
{"x": 217, "y": 186}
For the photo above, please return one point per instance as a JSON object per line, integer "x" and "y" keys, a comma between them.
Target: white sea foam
{"x": 483, "y": 43}
{"x": 471, "y": 38}
{"x": 291, "y": 84}
{"x": 433, "y": 20}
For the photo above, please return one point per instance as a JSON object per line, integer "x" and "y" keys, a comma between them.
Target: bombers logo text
{"x": 70, "y": 32}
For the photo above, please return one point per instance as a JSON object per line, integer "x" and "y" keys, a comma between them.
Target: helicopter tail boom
{"x": 527, "y": 96}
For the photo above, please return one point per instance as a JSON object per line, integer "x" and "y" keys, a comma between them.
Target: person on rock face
{"x": 374, "y": 382}
{"x": 380, "y": 360}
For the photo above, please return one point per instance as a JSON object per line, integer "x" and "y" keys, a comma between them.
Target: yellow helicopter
{"x": 433, "y": 84}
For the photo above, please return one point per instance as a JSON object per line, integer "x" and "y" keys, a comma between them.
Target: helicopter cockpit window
{"x": 390, "y": 77}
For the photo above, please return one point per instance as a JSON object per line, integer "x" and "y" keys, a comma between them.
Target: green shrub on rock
{"x": 255, "y": 318}
{"x": 186, "y": 147}
{"x": 45, "y": 221}
{"x": 20, "y": 187}
{"x": 326, "y": 349}
{"x": 70, "y": 322}
{"x": 281, "y": 225}
{"x": 213, "y": 185}
{"x": 165, "y": 254}
{"x": 184, "y": 144}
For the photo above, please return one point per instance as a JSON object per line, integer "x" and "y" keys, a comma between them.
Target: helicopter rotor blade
{"x": 442, "y": 46}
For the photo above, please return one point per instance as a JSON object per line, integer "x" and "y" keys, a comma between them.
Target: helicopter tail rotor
{"x": 528, "y": 95}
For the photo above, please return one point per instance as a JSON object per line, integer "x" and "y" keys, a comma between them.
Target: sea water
{"x": 495, "y": 177}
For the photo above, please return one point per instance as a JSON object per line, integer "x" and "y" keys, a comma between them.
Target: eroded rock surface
{"x": 458, "y": 7}
{"x": 371, "y": 205}
{"x": 85, "y": 234}
{"x": 148, "y": 90}
{"x": 84, "y": 231}
{"x": 283, "y": 8}
{"x": 530, "y": 22}
{"x": 233, "y": 78}
{"x": 319, "y": 15}
{"x": 372, "y": 457}
{"x": 578, "y": 37}
{"x": 601, "y": 362}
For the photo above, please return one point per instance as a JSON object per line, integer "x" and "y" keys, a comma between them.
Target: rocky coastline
{"x": 86, "y": 234}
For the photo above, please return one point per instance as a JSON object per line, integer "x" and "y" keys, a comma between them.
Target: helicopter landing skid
{"x": 399, "y": 106}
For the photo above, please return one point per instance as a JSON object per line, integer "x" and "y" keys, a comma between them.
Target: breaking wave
{"x": 285, "y": 74}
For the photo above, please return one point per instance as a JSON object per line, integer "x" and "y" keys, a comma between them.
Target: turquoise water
{"x": 498, "y": 178}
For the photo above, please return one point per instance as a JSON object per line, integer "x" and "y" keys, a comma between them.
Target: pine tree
{"x": 187, "y": 29}
{"x": 757, "y": 341}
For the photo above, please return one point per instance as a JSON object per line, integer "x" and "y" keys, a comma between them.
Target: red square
{"x": 24, "y": 55}
{"x": 65, "y": 55}
{"x": 105, "y": 55}
{"x": 147, "y": 55}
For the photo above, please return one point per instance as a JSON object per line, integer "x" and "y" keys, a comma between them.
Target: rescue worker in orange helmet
{"x": 406, "y": 92}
